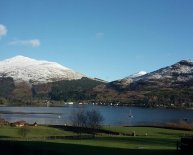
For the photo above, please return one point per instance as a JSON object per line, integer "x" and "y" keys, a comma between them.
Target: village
{"x": 20, "y": 123}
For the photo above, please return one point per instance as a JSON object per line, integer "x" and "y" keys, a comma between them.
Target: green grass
{"x": 158, "y": 141}
{"x": 39, "y": 131}
{"x": 39, "y": 148}
{"x": 151, "y": 131}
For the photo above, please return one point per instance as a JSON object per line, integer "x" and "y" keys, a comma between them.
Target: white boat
{"x": 130, "y": 114}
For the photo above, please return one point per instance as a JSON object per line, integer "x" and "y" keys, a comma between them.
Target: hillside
{"x": 171, "y": 86}
{"x": 28, "y": 81}
{"x": 67, "y": 90}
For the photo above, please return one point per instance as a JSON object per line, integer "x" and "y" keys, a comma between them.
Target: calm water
{"x": 112, "y": 115}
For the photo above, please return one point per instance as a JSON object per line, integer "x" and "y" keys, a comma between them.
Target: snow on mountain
{"x": 22, "y": 68}
{"x": 131, "y": 78}
{"x": 174, "y": 76}
{"x": 181, "y": 71}
{"x": 138, "y": 74}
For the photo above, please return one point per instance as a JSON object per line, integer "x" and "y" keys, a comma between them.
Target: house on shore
{"x": 35, "y": 124}
{"x": 19, "y": 124}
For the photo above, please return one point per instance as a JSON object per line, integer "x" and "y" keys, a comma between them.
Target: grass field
{"x": 148, "y": 141}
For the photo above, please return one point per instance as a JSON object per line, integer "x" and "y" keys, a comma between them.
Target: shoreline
{"x": 91, "y": 104}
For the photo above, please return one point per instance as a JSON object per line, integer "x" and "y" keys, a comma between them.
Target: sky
{"x": 107, "y": 39}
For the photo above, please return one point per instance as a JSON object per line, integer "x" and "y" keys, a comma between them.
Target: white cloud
{"x": 99, "y": 34}
{"x": 32, "y": 42}
{"x": 3, "y": 30}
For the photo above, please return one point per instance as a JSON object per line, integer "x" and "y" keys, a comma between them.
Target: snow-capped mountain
{"x": 171, "y": 76}
{"x": 22, "y": 68}
{"x": 170, "y": 86}
{"x": 181, "y": 71}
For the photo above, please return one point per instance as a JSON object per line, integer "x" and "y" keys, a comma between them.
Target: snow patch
{"x": 34, "y": 71}
{"x": 138, "y": 74}
{"x": 181, "y": 71}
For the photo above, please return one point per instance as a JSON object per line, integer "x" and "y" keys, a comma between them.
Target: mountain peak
{"x": 179, "y": 72}
{"x": 22, "y": 68}
{"x": 19, "y": 58}
{"x": 186, "y": 62}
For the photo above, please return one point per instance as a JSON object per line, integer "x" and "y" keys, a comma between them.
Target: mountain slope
{"x": 135, "y": 75}
{"x": 22, "y": 68}
{"x": 174, "y": 76}
{"x": 168, "y": 86}
{"x": 27, "y": 81}
{"x": 24, "y": 80}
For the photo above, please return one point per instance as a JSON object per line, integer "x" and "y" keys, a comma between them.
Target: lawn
{"x": 156, "y": 141}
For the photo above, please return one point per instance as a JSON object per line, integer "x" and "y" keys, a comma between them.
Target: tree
{"x": 79, "y": 118}
{"x": 91, "y": 119}
{"x": 94, "y": 119}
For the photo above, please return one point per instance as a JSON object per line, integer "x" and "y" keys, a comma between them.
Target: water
{"x": 112, "y": 115}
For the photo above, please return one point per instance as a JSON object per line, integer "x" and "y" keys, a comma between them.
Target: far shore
{"x": 91, "y": 104}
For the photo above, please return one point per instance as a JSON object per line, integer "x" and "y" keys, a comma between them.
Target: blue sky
{"x": 108, "y": 39}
